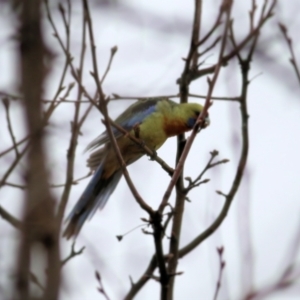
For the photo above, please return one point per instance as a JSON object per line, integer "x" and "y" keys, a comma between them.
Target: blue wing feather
{"x": 94, "y": 196}
{"x": 138, "y": 117}
{"x": 135, "y": 114}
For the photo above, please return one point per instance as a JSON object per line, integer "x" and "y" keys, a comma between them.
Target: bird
{"x": 157, "y": 119}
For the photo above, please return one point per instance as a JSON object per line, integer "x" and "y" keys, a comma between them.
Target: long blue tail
{"x": 94, "y": 196}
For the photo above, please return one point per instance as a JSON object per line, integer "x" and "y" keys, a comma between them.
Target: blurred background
{"x": 261, "y": 233}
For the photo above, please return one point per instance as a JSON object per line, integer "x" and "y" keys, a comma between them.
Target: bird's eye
{"x": 191, "y": 122}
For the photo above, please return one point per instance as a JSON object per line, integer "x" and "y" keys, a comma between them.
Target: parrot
{"x": 157, "y": 120}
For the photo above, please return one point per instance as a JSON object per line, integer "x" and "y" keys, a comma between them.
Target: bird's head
{"x": 183, "y": 118}
{"x": 193, "y": 110}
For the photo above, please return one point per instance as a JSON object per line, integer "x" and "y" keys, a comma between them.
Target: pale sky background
{"x": 152, "y": 37}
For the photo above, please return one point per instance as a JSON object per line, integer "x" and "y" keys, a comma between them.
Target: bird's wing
{"x": 134, "y": 114}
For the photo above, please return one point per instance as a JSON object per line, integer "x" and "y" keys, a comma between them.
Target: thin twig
{"x": 66, "y": 64}
{"x": 200, "y": 119}
{"x": 199, "y": 73}
{"x": 35, "y": 280}
{"x": 152, "y": 154}
{"x": 213, "y": 45}
{"x": 192, "y": 54}
{"x": 120, "y": 97}
{"x": 287, "y": 279}
{"x": 13, "y": 165}
{"x": 194, "y": 183}
{"x": 217, "y": 23}
{"x": 10, "y": 218}
{"x": 18, "y": 186}
{"x": 289, "y": 42}
{"x": 245, "y": 67}
{"x": 75, "y": 127}
{"x": 10, "y": 96}
{"x": 101, "y": 289}
{"x": 222, "y": 264}
{"x": 136, "y": 286}
{"x": 72, "y": 254}
{"x": 196, "y": 32}
{"x": 75, "y": 181}
{"x": 103, "y": 109}
{"x": 46, "y": 116}
{"x": 9, "y": 125}
{"x": 289, "y": 275}
{"x": 113, "y": 51}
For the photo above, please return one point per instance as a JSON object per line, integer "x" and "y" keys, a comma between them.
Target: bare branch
{"x": 72, "y": 254}
{"x": 135, "y": 287}
{"x": 200, "y": 120}
{"x": 103, "y": 109}
{"x": 39, "y": 225}
{"x": 152, "y": 154}
{"x": 75, "y": 124}
{"x": 199, "y": 73}
{"x": 101, "y": 287}
{"x": 209, "y": 165}
{"x": 10, "y": 218}
{"x": 5, "y": 102}
{"x": 289, "y": 42}
{"x": 113, "y": 51}
{"x": 222, "y": 264}
{"x": 245, "y": 66}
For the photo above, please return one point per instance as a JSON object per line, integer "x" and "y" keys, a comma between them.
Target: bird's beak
{"x": 206, "y": 121}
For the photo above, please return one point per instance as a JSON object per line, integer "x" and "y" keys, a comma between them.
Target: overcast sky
{"x": 152, "y": 37}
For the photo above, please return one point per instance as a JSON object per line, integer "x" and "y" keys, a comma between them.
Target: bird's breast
{"x": 174, "y": 127}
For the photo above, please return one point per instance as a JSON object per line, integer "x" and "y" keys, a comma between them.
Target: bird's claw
{"x": 154, "y": 155}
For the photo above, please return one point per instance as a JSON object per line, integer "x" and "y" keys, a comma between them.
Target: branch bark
{"x": 39, "y": 226}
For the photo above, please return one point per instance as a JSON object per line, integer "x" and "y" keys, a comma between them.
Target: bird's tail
{"x": 94, "y": 196}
